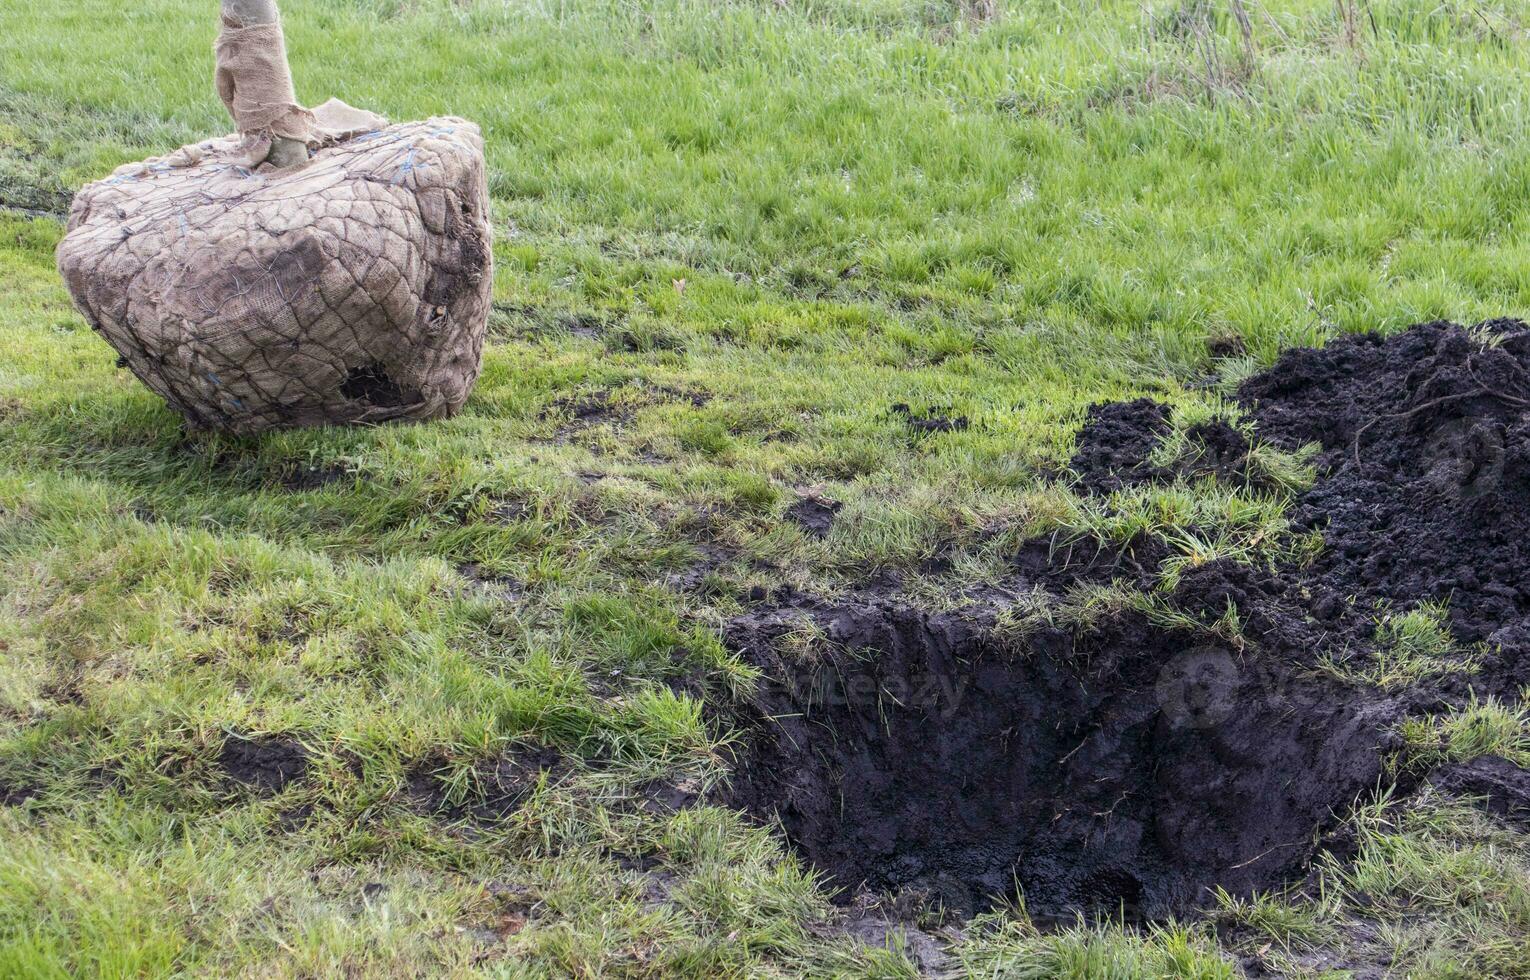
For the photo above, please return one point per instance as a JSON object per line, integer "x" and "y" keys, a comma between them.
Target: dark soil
{"x": 664, "y": 796}
{"x": 504, "y": 587}
{"x": 1228, "y": 345}
{"x": 1129, "y": 767}
{"x": 1117, "y": 440}
{"x": 876, "y": 931}
{"x": 930, "y": 420}
{"x": 587, "y": 410}
{"x": 499, "y": 788}
{"x": 15, "y": 794}
{"x": 266, "y": 763}
{"x": 815, "y": 515}
{"x": 1501, "y": 787}
{"x": 1426, "y": 451}
{"x": 1060, "y": 564}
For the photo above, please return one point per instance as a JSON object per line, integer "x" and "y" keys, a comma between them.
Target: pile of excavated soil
{"x": 1131, "y": 767}
{"x": 1426, "y": 455}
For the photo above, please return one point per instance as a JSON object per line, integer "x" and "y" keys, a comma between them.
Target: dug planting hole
{"x": 1124, "y": 769}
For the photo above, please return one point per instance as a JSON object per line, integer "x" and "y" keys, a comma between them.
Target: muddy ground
{"x": 1131, "y": 767}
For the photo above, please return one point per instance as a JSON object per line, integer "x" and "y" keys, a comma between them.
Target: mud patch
{"x": 14, "y": 793}
{"x": 1060, "y": 564}
{"x": 1115, "y": 449}
{"x": 878, "y": 927}
{"x": 1226, "y": 345}
{"x": 615, "y": 407}
{"x": 666, "y": 796}
{"x": 815, "y": 515}
{"x": 267, "y": 764}
{"x": 931, "y": 420}
{"x": 1115, "y": 443}
{"x": 506, "y": 588}
{"x": 588, "y": 409}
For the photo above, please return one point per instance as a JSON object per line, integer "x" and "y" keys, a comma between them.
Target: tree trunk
{"x": 285, "y": 152}
{"x": 248, "y": 12}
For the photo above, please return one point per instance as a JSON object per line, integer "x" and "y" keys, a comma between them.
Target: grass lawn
{"x": 731, "y": 235}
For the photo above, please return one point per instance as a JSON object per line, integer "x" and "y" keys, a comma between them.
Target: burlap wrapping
{"x": 255, "y": 83}
{"x": 354, "y": 288}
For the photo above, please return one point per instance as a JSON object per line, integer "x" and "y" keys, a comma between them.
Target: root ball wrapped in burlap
{"x": 351, "y": 289}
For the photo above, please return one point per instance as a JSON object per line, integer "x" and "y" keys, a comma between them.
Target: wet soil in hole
{"x": 1130, "y": 767}
{"x": 1127, "y": 768}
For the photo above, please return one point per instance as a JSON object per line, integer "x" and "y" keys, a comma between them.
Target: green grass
{"x": 1487, "y": 727}
{"x": 1408, "y": 647}
{"x": 1435, "y": 890}
{"x": 1002, "y": 213}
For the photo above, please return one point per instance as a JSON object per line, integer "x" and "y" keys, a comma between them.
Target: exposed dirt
{"x": 1124, "y": 767}
{"x": 930, "y": 420}
{"x": 1127, "y": 766}
{"x": 1426, "y": 447}
{"x": 815, "y": 515}
{"x": 15, "y": 794}
{"x": 588, "y": 409}
{"x": 503, "y": 587}
{"x": 1226, "y": 345}
{"x": 891, "y": 928}
{"x": 615, "y": 407}
{"x": 1500, "y": 786}
{"x": 664, "y": 796}
{"x": 266, "y": 763}
{"x": 1059, "y": 564}
{"x": 497, "y": 789}
{"x": 1117, "y": 440}
{"x": 1114, "y": 444}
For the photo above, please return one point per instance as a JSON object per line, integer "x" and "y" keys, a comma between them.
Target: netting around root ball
{"x": 353, "y": 289}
